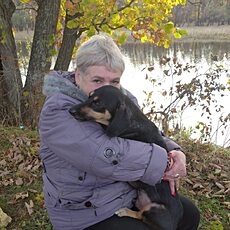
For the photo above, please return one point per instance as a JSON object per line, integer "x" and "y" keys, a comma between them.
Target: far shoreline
{"x": 206, "y": 34}
{"x": 195, "y": 34}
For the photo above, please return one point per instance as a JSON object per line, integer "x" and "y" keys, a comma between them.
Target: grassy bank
{"x": 207, "y": 183}
{"x": 207, "y": 33}
{"x": 20, "y": 180}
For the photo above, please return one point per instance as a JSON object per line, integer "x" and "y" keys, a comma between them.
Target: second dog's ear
{"x": 119, "y": 123}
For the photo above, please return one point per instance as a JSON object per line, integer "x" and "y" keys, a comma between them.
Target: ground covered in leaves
{"x": 207, "y": 183}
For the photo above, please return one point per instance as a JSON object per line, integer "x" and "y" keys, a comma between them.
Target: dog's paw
{"x": 123, "y": 212}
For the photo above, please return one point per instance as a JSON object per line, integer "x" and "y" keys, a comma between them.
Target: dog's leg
{"x": 138, "y": 214}
{"x": 128, "y": 212}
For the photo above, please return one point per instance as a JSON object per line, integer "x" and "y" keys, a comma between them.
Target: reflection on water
{"x": 202, "y": 55}
{"x": 190, "y": 51}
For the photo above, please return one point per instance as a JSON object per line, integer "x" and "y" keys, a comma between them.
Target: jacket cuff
{"x": 157, "y": 165}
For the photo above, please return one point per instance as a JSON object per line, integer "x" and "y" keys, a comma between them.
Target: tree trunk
{"x": 40, "y": 58}
{"x": 198, "y": 14}
{"x": 10, "y": 78}
{"x": 68, "y": 43}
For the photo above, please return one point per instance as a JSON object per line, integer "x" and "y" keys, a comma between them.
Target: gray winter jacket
{"x": 86, "y": 172}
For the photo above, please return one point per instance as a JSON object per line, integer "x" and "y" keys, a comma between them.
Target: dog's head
{"x": 101, "y": 106}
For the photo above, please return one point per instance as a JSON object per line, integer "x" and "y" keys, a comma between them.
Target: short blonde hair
{"x": 100, "y": 50}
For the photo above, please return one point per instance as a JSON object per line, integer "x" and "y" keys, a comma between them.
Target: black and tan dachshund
{"x": 121, "y": 117}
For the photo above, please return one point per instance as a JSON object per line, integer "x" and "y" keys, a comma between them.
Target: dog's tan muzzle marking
{"x": 102, "y": 118}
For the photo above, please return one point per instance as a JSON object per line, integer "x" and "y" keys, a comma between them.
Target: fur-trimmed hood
{"x": 62, "y": 82}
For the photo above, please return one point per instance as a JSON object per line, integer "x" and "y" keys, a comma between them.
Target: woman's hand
{"x": 176, "y": 170}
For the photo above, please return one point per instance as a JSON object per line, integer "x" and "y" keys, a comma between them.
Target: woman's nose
{"x": 107, "y": 83}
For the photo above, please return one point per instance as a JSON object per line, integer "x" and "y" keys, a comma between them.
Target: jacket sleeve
{"x": 86, "y": 146}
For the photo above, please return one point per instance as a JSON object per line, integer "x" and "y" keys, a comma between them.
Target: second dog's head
{"x": 101, "y": 106}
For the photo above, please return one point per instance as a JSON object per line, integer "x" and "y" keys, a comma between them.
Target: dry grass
{"x": 208, "y": 33}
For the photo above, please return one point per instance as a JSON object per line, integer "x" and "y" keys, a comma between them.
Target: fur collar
{"x": 62, "y": 82}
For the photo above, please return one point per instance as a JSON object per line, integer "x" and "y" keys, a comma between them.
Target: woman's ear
{"x": 77, "y": 76}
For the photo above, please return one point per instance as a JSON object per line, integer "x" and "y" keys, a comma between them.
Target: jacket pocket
{"x": 52, "y": 202}
{"x": 64, "y": 199}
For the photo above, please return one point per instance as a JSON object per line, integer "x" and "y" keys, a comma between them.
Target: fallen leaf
{"x": 3, "y": 162}
{"x": 219, "y": 185}
{"x": 211, "y": 176}
{"x": 19, "y": 181}
{"x": 226, "y": 203}
{"x": 219, "y": 192}
{"x": 194, "y": 174}
{"x": 200, "y": 168}
{"x": 215, "y": 165}
{"x": 227, "y": 192}
{"x": 4, "y": 173}
{"x": 198, "y": 185}
{"x": 192, "y": 192}
{"x": 217, "y": 172}
{"x": 189, "y": 181}
{"x": 218, "y": 196}
{"x": 4, "y": 219}
{"x": 226, "y": 182}
{"x": 30, "y": 207}
{"x": 224, "y": 175}
{"x": 8, "y": 182}
{"x": 32, "y": 190}
{"x": 21, "y": 195}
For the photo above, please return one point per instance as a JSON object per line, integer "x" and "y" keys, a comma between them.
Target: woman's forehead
{"x": 102, "y": 72}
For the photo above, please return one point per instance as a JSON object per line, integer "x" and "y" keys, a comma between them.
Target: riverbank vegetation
{"x": 206, "y": 33}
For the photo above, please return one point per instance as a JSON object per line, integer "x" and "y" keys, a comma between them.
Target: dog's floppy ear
{"x": 120, "y": 121}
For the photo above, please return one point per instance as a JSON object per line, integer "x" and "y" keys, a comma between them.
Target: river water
{"x": 203, "y": 56}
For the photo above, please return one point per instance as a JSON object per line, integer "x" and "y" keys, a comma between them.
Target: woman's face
{"x": 96, "y": 77}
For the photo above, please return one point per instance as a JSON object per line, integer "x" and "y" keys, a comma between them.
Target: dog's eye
{"x": 97, "y": 102}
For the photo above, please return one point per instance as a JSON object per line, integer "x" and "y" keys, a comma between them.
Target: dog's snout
{"x": 73, "y": 110}
{"x": 78, "y": 112}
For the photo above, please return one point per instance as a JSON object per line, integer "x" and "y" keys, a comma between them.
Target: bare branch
{"x": 126, "y": 6}
{"x": 104, "y": 20}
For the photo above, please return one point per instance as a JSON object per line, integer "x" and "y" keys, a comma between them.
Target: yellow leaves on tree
{"x": 146, "y": 20}
{"x": 25, "y": 1}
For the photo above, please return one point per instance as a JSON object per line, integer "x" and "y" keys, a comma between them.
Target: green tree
{"x": 146, "y": 20}
{"x": 10, "y": 83}
{"x": 40, "y": 58}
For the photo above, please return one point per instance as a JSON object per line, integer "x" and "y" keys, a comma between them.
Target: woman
{"x": 86, "y": 172}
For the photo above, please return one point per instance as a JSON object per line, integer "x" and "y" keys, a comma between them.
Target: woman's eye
{"x": 97, "y": 81}
{"x": 116, "y": 82}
